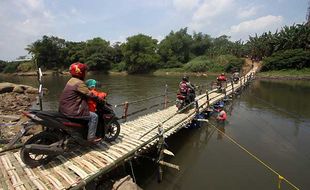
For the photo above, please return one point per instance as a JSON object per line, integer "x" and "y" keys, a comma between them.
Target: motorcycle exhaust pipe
{"x": 44, "y": 149}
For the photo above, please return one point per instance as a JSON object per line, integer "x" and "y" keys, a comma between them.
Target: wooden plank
{"x": 67, "y": 178}
{"x": 14, "y": 178}
{"x": 103, "y": 155}
{"x": 99, "y": 162}
{"x": 32, "y": 176}
{"x": 51, "y": 178}
{"x": 73, "y": 167}
{"x": 6, "y": 181}
{"x": 84, "y": 163}
{"x": 20, "y": 172}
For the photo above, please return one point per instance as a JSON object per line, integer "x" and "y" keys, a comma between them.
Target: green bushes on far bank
{"x": 288, "y": 59}
{"x": 216, "y": 64}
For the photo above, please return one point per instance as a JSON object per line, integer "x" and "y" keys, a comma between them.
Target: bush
{"x": 288, "y": 59}
{"x": 217, "y": 64}
{"x": 234, "y": 63}
{"x": 119, "y": 67}
{"x": 2, "y": 65}
{"x": 200, "y": 64}
{"x": 10, "y": 67}
{"x": 26, "y": 66}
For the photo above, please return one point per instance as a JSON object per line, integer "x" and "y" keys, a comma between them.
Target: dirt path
{"x": 248, "y": 65}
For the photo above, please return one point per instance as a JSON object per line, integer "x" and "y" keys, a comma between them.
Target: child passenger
{"x": 92, "y": 104}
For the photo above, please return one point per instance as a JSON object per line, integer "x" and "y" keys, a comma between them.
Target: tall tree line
{"x": 141, "y": 53}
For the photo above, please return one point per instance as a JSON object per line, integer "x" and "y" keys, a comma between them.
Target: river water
{"x": 270, "y": 118}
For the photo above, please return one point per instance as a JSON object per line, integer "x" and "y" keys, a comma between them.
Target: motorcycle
{"x": 183, "y": 100}
{"x": 221, "y": 86}
{"x": 235, "y": 80}
{"x": 61, "y": 133}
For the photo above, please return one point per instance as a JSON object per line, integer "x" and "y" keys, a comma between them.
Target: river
{"x": 271, "y": 119}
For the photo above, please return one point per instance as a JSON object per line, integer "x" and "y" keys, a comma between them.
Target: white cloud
{"x": 247, "y": 12}
{"x": 250, "y": 27}
{"x": 34, "y": 3}
{"x": 208, "y": 10}
{"x": 184, "y": 5}
{"x": 23, "y": 27}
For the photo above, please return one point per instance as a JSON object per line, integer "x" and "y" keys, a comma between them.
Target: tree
{"x": 200, "y": 44}
{"x": 2, "y": 65}
{"x": 49, "y": 51}
{"x": 175, "y": 48}
{"x": 140, "y": 53}
{"x": 98, "y": 54}
{"x": 220, "y": 46}
{"x": 75, "y": 52}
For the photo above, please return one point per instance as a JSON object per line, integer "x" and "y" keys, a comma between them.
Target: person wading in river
{"x": 73, "y": 100}
{"x": 221, "y": 118}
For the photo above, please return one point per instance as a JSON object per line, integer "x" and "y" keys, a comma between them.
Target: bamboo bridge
{"x": 82, "y": 165}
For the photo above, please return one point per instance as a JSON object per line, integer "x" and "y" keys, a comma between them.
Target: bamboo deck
{"x": 83, "y": 164}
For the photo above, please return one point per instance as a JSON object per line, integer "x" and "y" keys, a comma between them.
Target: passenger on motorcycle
{"x": 187, "y": 89}
{"x": 92, "y": 103}
{"x": 73, "y": 100}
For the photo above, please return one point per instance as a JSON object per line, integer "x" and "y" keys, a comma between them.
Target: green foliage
{"x": 98, "y": 54}
{"x": 175, "y": 47}
{"x": 119, "y": 67}
{"x": 289, "y": 37}
{"x": 140, "y": 54}
{"x": 220, "y": 46}
{"x": 216, "y": 64}
{"x": 229, "y": 62}
{"x": 199, "y": 64}
{"x": 300, "y": 73}
{"x": 26, "y": 66}
{"x": 2, "y": 65}
{"x": 75, "y": 53}
{"x": 288, "y": 59}
{"x": 200, "y": 44}
{"x": 49, "y": 52}
{"x": 10, "y": 67}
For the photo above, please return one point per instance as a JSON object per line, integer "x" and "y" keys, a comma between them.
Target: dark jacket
{"x": 73, "y": 100}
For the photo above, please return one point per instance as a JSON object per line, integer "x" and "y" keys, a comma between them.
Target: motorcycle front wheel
{"x": 112, "y": 131}
{"x": 32, "y": 159}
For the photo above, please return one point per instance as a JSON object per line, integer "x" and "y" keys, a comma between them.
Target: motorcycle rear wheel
{"x": 32, "y": 159}
{"x": 112, "y": 131}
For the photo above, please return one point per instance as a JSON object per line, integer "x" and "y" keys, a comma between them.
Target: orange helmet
{"x": 78, "y": 70}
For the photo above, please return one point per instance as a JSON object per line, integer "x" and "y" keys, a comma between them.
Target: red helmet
{"x": 78, "y": 70}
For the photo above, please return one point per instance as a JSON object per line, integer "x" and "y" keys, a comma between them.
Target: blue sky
{"x": 25, "y": 21}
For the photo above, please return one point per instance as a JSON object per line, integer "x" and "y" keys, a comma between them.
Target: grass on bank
{"x": 305, "y": 72}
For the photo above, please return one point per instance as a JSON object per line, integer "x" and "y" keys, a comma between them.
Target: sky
{"x": 22, "y": 22}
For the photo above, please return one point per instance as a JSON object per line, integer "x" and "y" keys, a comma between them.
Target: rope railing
{"x": 243, "y": 79}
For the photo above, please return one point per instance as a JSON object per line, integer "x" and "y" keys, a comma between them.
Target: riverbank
{"x": 303, "y": 74}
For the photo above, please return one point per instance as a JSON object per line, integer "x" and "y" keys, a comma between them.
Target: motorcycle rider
{"x": 92, "y": 104}
{"x": 73, "y": 100}
{"x": 235, "y": 76}
{"x": 220, "y": 79}
{"x": 187, "y": 89}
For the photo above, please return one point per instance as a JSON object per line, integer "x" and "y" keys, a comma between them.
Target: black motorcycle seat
{"x": 62, "y": 117}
